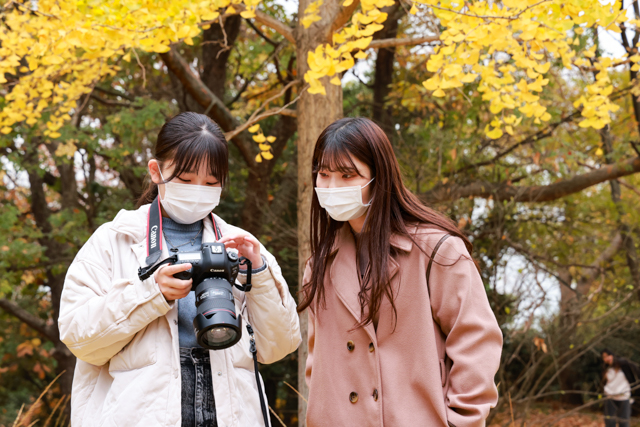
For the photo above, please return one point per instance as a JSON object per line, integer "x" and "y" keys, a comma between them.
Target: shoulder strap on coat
{"x": 433, "y": 255}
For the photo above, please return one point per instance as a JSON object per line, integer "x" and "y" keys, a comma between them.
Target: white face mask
{"x": 343, "y": 203}
{"x": 189, "y": 203}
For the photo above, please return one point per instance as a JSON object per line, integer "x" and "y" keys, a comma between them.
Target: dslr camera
{"x": 214, "y": 270}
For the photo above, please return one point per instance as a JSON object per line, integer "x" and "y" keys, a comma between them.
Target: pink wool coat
{"x": 435, "y": 369}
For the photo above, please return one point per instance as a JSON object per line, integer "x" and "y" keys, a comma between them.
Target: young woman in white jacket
{"x": 139, "y": 363}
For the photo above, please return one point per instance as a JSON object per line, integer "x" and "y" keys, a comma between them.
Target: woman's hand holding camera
{"x": 247, "y": 246}
{"x": 173, "y": 288}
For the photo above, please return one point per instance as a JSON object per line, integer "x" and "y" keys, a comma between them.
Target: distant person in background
{"x": 620, "y": 374}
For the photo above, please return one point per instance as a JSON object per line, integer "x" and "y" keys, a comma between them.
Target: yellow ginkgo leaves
{"x": 264, "y": 143}
{"x": 67, "y": 149}
{"x": 507, "y": 49}
{"x": 63, "y": 47}
{"x": 311, "y": 13}
{"x": 329, "y": 60}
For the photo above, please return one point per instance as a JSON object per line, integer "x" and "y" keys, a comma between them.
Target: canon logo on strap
{"x": 153, "y": 237}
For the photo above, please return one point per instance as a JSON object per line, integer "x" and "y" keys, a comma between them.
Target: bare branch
{"x": 408, "y": 41}
{"x": 271, "y": 112}
{"x": 113, "y": 93}
{"x": 279, "y": 27}
{"x": 144, "y": 72}
{"x": 29, "y": 319}
{"x": 544, "y": 193}
{"x": 203, "y": 96}
{"x": 274, "y": 97}
{"x": 340, "y": 17}
{"x": 261, "y": 34}
{"x": 113, "y": 103}
{"x": 288, "y": 112}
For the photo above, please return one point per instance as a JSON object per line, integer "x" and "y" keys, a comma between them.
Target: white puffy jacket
{"x": 125, "y": 334}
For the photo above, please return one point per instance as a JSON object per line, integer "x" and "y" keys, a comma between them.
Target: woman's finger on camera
{"x": 172, "y": 269}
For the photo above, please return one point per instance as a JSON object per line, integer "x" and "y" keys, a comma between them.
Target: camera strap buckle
{"x": 145, "y": 272}
{"x": 254, "y": 352}
{"x": 247, "y": 286}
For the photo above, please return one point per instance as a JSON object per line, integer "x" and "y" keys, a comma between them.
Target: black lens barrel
{"x": 216, "y": 313}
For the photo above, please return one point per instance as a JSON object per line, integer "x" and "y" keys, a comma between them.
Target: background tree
{"x": 505, "y": 115}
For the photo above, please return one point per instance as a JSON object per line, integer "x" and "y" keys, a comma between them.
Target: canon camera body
{"x": 214, "y": 270}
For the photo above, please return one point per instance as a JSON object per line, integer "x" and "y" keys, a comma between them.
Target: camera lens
{"x": 217, "y": 337}
{"x": 217, "y": 326}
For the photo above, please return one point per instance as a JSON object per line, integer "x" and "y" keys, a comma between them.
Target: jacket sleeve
{"x": 100, "y": 315}
{"x": 474, "y": 339}
{"x": 271, "y": 311}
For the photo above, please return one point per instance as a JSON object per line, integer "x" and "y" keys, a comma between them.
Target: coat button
{"x": 375, "y": 394}
{"x": 353, "y": 397}
{"x": 371, "y": 347}
{"x": 350, "y": 347}
{"x": 175, "y": 322}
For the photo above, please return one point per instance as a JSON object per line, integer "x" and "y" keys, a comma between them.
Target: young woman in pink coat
{"x": 395, "y": 338}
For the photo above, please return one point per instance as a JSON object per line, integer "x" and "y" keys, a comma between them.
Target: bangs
{"x": 334, "y": 157}
{"x": 202, "y": 152}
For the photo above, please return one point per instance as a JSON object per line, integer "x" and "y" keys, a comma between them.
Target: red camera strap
{"x": 154, "y": 232}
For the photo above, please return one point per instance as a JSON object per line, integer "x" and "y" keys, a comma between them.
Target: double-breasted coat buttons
{"x": 371, "y": 347}
{"x": 353, "y": 397}
{"x": 350, "y": 346}
{"x": 375, "y": 394}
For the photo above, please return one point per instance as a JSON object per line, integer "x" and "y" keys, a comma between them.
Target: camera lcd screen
{"x": 188, "y": 256}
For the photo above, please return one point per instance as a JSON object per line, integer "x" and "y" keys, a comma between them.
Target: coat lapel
{"x": 400, "y": 244}
{"x": 344, "y": 276}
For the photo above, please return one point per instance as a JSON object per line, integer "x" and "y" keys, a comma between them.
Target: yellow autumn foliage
{"x": 62, "y": 48}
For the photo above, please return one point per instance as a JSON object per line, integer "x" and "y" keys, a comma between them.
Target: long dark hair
{"x": 189, "y": 140}
{"x": 393, "y": 208}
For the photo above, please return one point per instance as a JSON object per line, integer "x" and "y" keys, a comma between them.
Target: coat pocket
{"x": 443, "y": 372}
{"x": 140, "y": 352}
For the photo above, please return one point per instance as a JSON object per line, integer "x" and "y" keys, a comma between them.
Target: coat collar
{"x": 134, "y": 225}
{"x": 344, "y": 273}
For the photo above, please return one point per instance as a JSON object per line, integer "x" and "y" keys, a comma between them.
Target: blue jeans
{"x": 198, "y": 405}
{"x": 617, "y": 412}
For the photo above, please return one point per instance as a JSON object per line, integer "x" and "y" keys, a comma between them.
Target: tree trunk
{"x": 625, "y": 229}
{"x": 41, "y": 213}
{"x": 384, "y": 69}
{"x": 216, "y": 48}
{"x": 315, "y": 113}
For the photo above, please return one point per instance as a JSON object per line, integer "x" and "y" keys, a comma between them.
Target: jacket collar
{"x": 134, "y": 224}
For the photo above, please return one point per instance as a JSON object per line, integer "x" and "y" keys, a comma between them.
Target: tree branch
{"x": 407, "y": 41}
{"x": 279, "y": 27}
{"x": 261, "y": 34}
{"x": 545, "y": 193}
{"x": 341, "y": 15}
{"x": 114, "y": 93}
{"x": 29, "y": 319}
{"x": 113, "y": 103}
{"x": 255, "y": 118}
{"x": 203, "y": 96}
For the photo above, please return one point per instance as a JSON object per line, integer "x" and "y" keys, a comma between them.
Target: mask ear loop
{"x": 164, "y": 181}
{"x": 362, "y": 188}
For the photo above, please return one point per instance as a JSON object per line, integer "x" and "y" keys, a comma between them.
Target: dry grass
{"x": 552, "y": 415}
{"x": 28, "y": 418}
